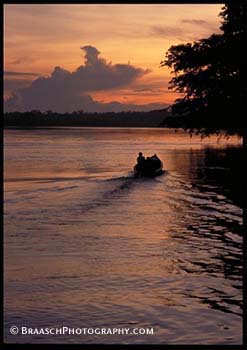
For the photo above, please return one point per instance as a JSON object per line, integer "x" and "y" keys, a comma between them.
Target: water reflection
{"x": 223, "y": 169}
{"x": 86, "y": 243}
{"x": 214, "y": 225}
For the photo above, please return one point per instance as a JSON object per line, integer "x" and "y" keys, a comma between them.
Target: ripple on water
{"x": 100, "y": 248}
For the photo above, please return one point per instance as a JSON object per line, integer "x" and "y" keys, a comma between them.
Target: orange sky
{"x": 38, "y": 38}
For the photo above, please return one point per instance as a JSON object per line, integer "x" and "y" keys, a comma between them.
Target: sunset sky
{"x": 91, "y": 55}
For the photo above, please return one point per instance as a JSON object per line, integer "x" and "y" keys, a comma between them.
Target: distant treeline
{"x": 122, "y": 119}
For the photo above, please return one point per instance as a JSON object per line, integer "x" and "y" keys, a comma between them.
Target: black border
{"x": 118, "y": 346}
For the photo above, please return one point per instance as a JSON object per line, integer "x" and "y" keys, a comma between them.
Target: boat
{"x": 151, "y": 167}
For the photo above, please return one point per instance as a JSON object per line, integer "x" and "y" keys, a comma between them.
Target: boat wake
{"x": 132, "y": 176}
{"x": 123, "y": 186}
{"x": 129, "y": 176}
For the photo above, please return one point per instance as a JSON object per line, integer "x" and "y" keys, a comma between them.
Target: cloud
{"x": 65, "y": 91}
{"x": 194, "y": 21}
{"x": 15, "y": 84}
{"x": 20, "y": 73}
{"x": 172, "y": 33}
{"x": 204, "y": 26}
{"x": 92, "y": 54}
{"x": 167, "y": 31}
{"x": 85, "y": 103}
{"x": 184, "y": 32}
{"x": 15, "y": 59}
{"x": 95, "y": 106}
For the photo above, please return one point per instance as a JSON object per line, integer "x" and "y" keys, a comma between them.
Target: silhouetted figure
{"x": 140, "y": 159}
{"x": 150, "y": 167}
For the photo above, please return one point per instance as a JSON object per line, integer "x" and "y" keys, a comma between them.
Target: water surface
{"x": 87, "y": 245}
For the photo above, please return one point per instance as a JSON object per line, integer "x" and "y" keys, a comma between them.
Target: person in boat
{"x": 140, "y": 159}
{"x": 148, "y": 162}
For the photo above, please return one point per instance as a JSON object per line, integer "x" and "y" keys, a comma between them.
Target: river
{"x": 88, "y": 245}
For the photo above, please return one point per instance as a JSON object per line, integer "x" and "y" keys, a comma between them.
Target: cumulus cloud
{"x": 65, "y": 91}
{"x": 14, "y": 81}
{"x": 15, "y": 84}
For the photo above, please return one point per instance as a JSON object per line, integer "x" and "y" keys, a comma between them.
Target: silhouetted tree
{"x": 210, "y": 74}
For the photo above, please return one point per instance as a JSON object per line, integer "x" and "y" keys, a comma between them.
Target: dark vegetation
{"x": 123, "y": 119}
{"x": 211, "y": 76}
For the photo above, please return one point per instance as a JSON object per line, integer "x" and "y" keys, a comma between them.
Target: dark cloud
{"x": 84, "y": 102}
{"x": 94, "y": 106}
{"x": 16, "y": 84}
{"x": 146, "y": 90}
{"x": 20, "y": 73}
{"x": 91, "y": 55}
{"x": 68, "y": 91}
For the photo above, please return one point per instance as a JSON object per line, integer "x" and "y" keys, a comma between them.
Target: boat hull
{"x": 151, "y": 170}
